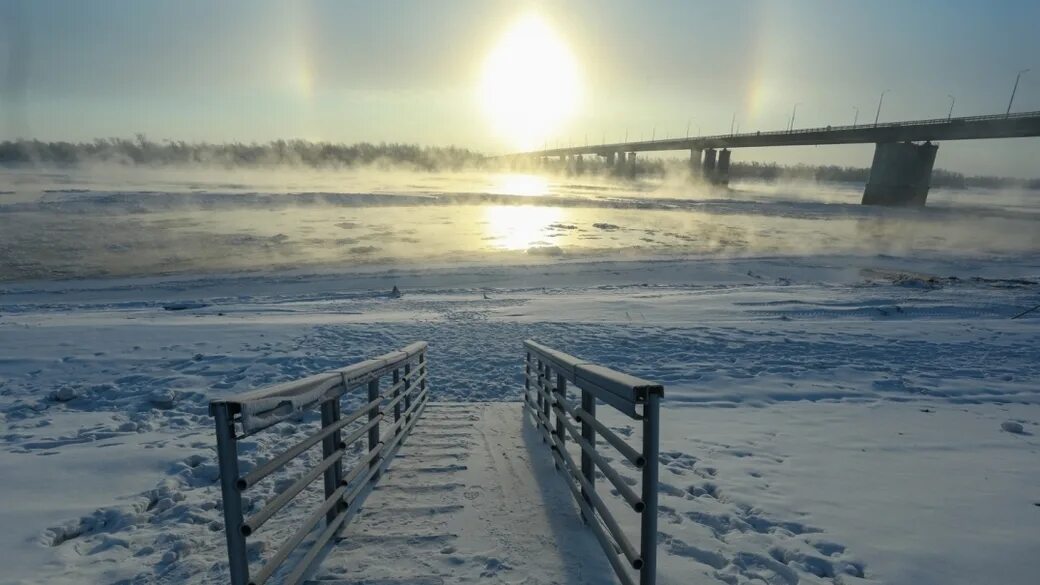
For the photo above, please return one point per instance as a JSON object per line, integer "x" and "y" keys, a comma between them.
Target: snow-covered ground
{"x": 831, "y": 415}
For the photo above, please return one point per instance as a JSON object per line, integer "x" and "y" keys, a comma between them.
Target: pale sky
{"x": 412, "y": 71}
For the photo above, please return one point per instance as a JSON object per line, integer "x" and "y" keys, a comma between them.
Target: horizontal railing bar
{"x": 361, "y": 465}
{"x": 257, "y": 520}
{"x": 418, "y": 407}
{"x": 410, "y": 378}
{"x": 355, "y": 488}
{"x": 261, "y": 408}
{"x": 535, "y": 378}
{"x": 364, "y": 372}
{"x": 294, "y": 541}
{"x": 617, "y": 442}
{"x": 626, "y": 490}
{"x": 415, "y": 386}
{"x": 316, "y": 547}
{"x": 620, "y": 390}
{"x": 392, "y": 429}
{"x": 351, "y": 497}
{"x": 604, "y": 541}
{"x": 391, "y": 438}
{"x": 364, "y": 408}
{"x": 608, "y": 519}
{"x": 542, "y": 419}
{"x": 254, "y": 477}
{"x": 541, "y": 423}
{"x": 360, "y": 431}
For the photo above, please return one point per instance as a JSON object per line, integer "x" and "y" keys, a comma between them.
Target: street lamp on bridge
{"x": 855, "y": 118}
{"x": 794, "y": 110}
{"x": 1013, "y": 89}
{"x": 880, "y": 101}
{"x": 953, "y": 100}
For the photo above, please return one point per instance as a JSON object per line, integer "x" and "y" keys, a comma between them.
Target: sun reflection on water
{"x": 520, "y": 184}
{"x": 519, "y": 227}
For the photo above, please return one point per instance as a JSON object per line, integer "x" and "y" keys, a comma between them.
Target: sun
{"x": 530, "y": 84}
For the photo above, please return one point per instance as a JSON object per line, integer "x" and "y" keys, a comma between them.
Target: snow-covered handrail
{"x": 547, "y": 372}
{"x": 345, "y": 492}
{"x": 262, "y": 408}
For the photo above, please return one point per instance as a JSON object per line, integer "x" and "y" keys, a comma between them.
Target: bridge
{"x": 899, "y": 175}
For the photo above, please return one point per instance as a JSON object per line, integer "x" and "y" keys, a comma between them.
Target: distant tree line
{"x": 141, "y": 151}
{"x": 145, "y": 152}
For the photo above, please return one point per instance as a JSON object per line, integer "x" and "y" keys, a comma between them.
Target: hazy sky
{"x": 410, "y": 70}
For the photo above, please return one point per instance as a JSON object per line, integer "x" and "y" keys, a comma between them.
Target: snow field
{"x": 827, "y": 420}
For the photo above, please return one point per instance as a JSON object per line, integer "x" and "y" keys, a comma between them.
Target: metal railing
{"x": 548, "y": 372}
{"x": 246, "y": 414}
{"x": 683, "y": 143}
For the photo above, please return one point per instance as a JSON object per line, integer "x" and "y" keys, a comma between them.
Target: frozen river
{"x": 161, "y": 222}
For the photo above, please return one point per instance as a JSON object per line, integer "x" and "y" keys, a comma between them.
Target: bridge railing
{"x": 399, "y": 407}
{"x": 607, "y": 147}
{"x": 547, "y": 375}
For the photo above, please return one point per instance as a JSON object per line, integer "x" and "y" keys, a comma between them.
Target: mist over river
{"x": 112, "y": 221}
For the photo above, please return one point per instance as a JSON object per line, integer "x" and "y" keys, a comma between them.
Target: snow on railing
{"x": 345, "y": 492}
{"x": 548, "y": 372}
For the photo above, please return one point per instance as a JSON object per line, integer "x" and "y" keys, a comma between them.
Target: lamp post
{"x": 794, "y": 110}
{"x": 881, "y": 100}
{"x": 855, "y": 118}
{"x": 688, "y": 122}
{"x": 953, "y": 100}
{"x": 1013, "y": 90}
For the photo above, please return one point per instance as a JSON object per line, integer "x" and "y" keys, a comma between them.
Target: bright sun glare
{"x": 518, "y": 227}
{"x": 530, "y": 84}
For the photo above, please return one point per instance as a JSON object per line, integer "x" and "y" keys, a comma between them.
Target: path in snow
{"x": 472, "y": 497}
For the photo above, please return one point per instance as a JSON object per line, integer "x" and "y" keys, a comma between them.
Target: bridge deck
{"x": 1017, "y": 125}
{"x": 467, "y": 501}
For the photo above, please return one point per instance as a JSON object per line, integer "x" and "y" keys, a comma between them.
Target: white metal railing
{"x": 547, "y": 373}
{"x": 246, "y": 414}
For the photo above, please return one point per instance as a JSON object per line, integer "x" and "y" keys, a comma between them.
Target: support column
{"x": 631, "y": 158}
{"x": 610, "y": 159}
{"x": 722, "y": 169}
{"x": 579, "y": 164}
{"x": 708, "y": 166}
{"x": 695, "y": 162}
{"x": 901, "y": 174}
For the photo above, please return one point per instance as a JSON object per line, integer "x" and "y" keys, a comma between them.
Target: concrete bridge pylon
{"x": 695, "y": 162}
{"x": 900, "y": 174}
{"x": 721, "y": 176}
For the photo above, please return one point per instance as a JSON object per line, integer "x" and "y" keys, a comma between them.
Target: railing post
{"x": 373, "y": 413}
{"x": 538, "y": 390}
{"x": 329, "y": 445}
{"x": 651, "y": 445}
{"x": 588, "y": 432}
{"x": 547, "y": 402}
{"x": 422, "y": 371}
{"x": 527, "y": 378}
{"x": 408, "y": 391}
{"x": 561, "y": 395}
{"x": 227, "y": 460}
{"x": 397, "y": 392}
